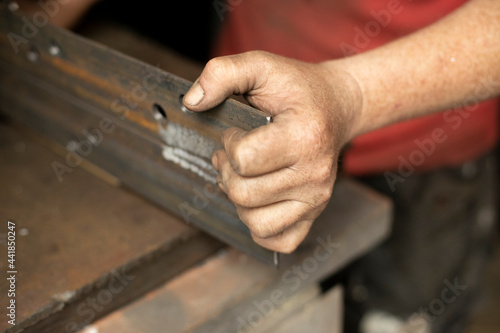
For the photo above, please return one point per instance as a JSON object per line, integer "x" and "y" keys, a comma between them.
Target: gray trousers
{"x": 434, "y": 262}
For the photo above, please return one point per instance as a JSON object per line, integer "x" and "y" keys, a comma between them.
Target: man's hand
{"x": 279, "y": 176}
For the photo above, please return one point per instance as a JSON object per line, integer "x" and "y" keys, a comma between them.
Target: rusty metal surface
{"x": 77, "y": 238}
{"x": 124, "y": 116}
{"x": 65, "y": 94}
{"x": 355, "y": 220}
{"x": 227, "y": 292}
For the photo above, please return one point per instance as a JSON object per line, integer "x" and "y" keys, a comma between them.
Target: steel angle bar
{"x": 124, "y": 116}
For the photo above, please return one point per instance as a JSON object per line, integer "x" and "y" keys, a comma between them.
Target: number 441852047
{"x": 11, "y": 244}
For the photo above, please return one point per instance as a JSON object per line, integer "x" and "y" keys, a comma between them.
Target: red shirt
{"x": 318, "y": 30}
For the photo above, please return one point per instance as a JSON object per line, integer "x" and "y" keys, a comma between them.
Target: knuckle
{"x": 324, "y": 195}
{"x": 288, "y": 247}
{"x": 324, "y": 185}
{"x": 316, "y": 135}
{"x": 323, "y": 173}
{"x": 218, "y": 70}
{"x": 233, "y": 196}
{"x": 261, "y": 229}
{"x": 260, "y": 55}
{"x": 292, "y": 240}
{"x": 265, "y": 60}
{"x": 240, "y": 194}
{"x": 266, "y": 227}
{"x": 242, "y": 156}
{"x": 215, "y": 65}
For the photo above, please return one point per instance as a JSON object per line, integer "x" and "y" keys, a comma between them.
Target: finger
{"x": 264, "y": 149}
{"x": 269, "y": 221}
{"x": 288, "y": 240}
{"x": 222, "y": 77}
{"x": 251, "y": 192}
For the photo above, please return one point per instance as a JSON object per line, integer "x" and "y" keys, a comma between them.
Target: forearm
{"x": 454, "y": 60}
{"x": 281, "y": 176}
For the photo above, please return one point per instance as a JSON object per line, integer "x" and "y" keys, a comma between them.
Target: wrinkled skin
{"x": 279, "y": 176}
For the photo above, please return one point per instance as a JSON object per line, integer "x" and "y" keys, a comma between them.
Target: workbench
{"x": 96, "y": 256}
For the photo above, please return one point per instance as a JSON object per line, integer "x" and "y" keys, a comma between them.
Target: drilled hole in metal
{"x": 33, "y": 55}
{"x": 158, "y": 113}
{"x": 54, "y": 48}
{"x": 181, "y": 103}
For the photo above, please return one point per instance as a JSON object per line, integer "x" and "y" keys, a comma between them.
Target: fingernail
{"x": 194, "y": 95}
{"x": 215, "y": 162}
{"x": 221, "y": 184}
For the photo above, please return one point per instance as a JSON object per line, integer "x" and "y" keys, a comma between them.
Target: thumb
{"x": 222, "y": 77}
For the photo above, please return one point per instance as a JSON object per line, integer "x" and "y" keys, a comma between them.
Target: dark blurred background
{"x": 189, "y": 27}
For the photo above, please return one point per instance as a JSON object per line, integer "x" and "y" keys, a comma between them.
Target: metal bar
{"x": 124, "y": 116}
